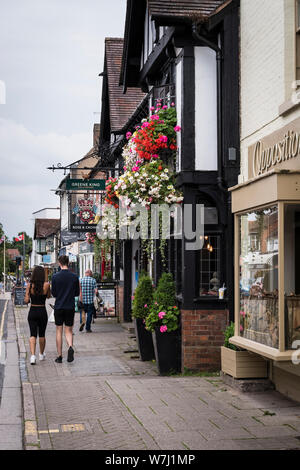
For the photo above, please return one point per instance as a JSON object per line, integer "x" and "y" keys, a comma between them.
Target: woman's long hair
{"x": 37, "y": 280}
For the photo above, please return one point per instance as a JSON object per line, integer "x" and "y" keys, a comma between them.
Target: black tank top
{"x": 39, "y": 299}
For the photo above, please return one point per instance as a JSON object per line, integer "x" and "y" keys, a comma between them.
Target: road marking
{"x": 72, "y": 427}
{"x": 2, "y": 344}
{"x": 2, "y": 320}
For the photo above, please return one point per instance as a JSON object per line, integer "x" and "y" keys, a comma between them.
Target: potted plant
{"x": 164, "y": 323}
{"x": 142, "y": 301}
{"x": 238, "y": 363}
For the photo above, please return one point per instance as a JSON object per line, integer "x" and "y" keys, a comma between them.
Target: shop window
{"x": 209, "y": 257}
{"x": 259, "y": 276}
{"x": 292, "y": 273}
{"x": 209, "y": 266}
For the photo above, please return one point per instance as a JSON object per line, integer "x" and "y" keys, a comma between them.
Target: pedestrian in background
{"x": 88, "y": 290}
{"x": 65, "y": 287}
{"x": 37, "y": 291}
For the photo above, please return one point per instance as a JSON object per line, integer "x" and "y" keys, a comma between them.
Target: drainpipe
{"x": 219, "y": 56}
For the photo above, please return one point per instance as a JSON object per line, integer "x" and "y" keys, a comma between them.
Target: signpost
{"x": 19, "y": 294}
{"x": 107, "y": 291}
{"x": 83, "y": 227}
{"x": 85, "y": 185}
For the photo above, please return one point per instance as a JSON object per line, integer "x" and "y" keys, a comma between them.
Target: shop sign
{"x": 279, "y": 150}
{"x": 83, "y": 227}
{"x": 85, "y": 185}
{"x": 86, "y": 247}
{"x": 68, "y": 237}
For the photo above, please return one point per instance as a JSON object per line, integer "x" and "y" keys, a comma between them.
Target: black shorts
{"x": 64, "y": 316}
{"x": 37, "y": 319}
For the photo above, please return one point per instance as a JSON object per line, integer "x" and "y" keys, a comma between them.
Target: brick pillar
{"x": 202, "y": 338}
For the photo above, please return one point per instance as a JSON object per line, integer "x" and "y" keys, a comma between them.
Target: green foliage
{"x": 167, "y": 319}
{"x": 229, "y": 333}
{"x": 143, "y": 297}
{"x": 165, "y": 293}
{"x": 164, "y": 313}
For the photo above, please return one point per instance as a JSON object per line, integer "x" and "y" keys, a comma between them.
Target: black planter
{"x": 144, "y": 340}
{"x": 167, "y": 347}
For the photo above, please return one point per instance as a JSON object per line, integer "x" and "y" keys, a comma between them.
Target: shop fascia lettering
{"x": 286, "y": 149}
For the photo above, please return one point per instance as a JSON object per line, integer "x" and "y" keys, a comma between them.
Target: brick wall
{"x": 202, "y": 337}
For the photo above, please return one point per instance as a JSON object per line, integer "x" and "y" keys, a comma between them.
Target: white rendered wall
{"x": 206, "y": 123}
{"x": 267, "y": 69}
{"x": 179, "y": 109}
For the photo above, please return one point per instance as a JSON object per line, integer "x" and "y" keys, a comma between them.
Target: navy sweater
{"x": 65, "y": 287}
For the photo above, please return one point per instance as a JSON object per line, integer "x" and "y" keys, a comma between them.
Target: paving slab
{"x": 107, "y": 400}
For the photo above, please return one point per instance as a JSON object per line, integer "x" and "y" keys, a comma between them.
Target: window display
{"x": 259, "y": 276}
{"x": 292, "y": 273}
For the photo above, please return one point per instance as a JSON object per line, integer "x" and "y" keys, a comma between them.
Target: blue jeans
{"x": 89, "y": 310}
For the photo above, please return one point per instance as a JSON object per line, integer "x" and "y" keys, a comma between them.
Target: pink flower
{"x": 145, "y": 124}
{"x": 132, "y": 297}
{"x": 242, "y": 313}
{"x": 165, "y": 107}
{"x": 125, "y": 168}
{"x": 163, "y": 138}
{"x": 152, "y": 108}
{"x": 172, "y": 104}
{"x": 154, "y": 156}
{"x": 135, "y": 168}
{"x": 128, "y": 135}
{"x": 145, "y": 305}
{"x": 161, "y": 315}
{"x": 241, "y": 328}
{"x": 163, "y": 328}
{"x": 177, "y": 128}
{"x": 154, "y": 117}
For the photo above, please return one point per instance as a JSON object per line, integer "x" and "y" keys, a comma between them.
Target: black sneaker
{"x": 81, "y": 326}
{"x": 70, "y": 354}
{"x": 58, "y": 359}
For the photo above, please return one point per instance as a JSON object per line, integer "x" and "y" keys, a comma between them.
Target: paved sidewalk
{"x": 11, "y": 416}
{"x": 107, "y": 400}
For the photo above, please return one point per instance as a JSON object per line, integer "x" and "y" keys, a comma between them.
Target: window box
{"x": 243, "y": 364}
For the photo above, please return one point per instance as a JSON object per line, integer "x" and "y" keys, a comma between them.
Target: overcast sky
{"x": 51, "y": 52}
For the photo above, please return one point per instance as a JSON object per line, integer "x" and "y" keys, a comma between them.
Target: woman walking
{"x": 37, "y": 291}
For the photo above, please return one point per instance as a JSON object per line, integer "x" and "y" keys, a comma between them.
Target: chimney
{"x": 96, "y": 134}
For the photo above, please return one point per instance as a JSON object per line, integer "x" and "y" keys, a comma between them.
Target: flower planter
{"x": 242, "y": 364}
{"x": 144, "y": 341}
{"x": 167, "y": 347}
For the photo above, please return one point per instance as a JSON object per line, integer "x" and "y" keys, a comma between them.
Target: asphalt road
{"x": 2, "y": 336}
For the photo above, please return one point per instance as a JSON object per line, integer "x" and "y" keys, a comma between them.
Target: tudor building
{"x": 187, "y": 53}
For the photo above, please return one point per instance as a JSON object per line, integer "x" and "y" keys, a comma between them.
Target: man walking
{"x": 65, "y": 287}
{"x": 88, "y": 290}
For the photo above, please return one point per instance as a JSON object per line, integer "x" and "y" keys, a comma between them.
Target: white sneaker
{"x": 32, "y": 359}
{"x": 42, "y": 356}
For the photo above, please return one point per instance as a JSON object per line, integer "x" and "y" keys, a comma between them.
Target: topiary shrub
{"x": 165, "y": 293}
{"x": 143, "y": 297}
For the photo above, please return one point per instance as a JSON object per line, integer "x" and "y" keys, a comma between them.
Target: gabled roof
{"x": 12, "y": 253}
{"x": 46, "y": 227}
{"x": 184, "y": 9}
{"x": 121, "y": 106}
{"x": 164, "y": 13}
